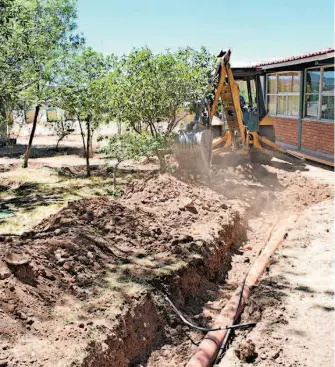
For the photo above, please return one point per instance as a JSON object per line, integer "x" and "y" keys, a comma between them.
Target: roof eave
{"x": 298, "y": 61}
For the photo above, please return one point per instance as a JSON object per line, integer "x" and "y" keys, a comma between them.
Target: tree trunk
{"x": 3, "y": 122}
{"x": 3, "y": 110}
{"x": 114, "y": 178}
{"x": 91, "y": 145}
{"x": 28, "y": 151}
{"x": 88, "y": 170}
{"x": 82, "y": 136}
{"x": 162, "y": 161}
{"x": 58, "y": 141}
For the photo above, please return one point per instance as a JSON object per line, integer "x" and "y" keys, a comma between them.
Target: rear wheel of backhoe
{"x": 257, "y": 156}
{"x": 268, "y": 131}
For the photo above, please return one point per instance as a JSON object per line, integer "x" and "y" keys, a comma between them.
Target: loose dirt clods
{"x": 81, "y": 275}
{"x": 270, "y": 195}
{"x": 80, "y": 288}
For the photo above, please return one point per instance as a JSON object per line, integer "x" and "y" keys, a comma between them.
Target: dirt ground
{"x": 82, "y": 286}
{"x": 293, "y": 305}
{"x": 54, "y": 178}
{"x": 44, "y": 151}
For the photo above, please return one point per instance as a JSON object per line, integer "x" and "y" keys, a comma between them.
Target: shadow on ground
{"x": 39, "y": 151}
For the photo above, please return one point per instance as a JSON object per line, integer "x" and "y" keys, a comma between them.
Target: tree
{"x": 62, "y": 128}
{"x": 146, "y": 89}
{"x": 11, "y": 80}
{"x": 49, "y": 39}
{"x": 82, "y": 92}
{"x": 11, "y": 18}
{"x": 38, "y": 34}
{"x": 122, "y": 147}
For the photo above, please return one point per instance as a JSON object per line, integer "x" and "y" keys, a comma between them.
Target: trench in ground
{"x": 152, "y": 323}
{"x": 152, "y": 334}
{"x": 147, "y": 332}
{"x": 202, "y": 289}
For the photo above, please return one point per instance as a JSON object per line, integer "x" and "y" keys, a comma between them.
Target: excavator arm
{"x": 195, "y": 146}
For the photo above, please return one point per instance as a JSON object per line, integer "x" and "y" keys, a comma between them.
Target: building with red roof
{"x": 299, "y": 95}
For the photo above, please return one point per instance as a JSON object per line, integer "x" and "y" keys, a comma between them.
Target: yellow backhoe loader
{"x": 237, "y": 128}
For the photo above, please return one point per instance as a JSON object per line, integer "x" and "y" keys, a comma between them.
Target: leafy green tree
{"x": 146, "y": 89}
{"x": 35, "y": 37}
{"x": 11, "y": 18}
{"x": 82, "y": 92}
{"x": 62, "y": 128}
{"x": 11, "y": 14}
{"x": 122, "y": 147}
{"x": 49, "y": 38}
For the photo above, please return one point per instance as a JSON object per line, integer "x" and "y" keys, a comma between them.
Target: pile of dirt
{"x": 184, "y": 206}
{"x": 270, "y": 193}
{"x": 80, "y": 274}
{"x": 302, "y": 192}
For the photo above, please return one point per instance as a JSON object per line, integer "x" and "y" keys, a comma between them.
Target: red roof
{"x": 299, "y": 57}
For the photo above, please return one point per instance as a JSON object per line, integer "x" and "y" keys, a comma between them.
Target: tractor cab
{"x": 255, "y": 117}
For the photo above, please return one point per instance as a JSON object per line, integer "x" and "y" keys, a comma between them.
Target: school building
{"x": 299, "y": 95}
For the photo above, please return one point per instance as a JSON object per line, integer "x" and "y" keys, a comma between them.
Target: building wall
{"x": 318, "y": 136}
{"x": 286, "y": 130}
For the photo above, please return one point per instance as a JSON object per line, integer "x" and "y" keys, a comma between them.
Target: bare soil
{"x": 82, "y": 274}
{"x": 82, "y": 287}
{"x": 294, "y": 303}
{"x": 270, "y": 197}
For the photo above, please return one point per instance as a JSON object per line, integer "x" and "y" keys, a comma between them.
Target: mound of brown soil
{"x": 77, "y": 277}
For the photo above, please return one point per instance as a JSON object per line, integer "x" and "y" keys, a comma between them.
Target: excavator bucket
{"x": 193, "y": 150}
{"x": 194, "y": 145}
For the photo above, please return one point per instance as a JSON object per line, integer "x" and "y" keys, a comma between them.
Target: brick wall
{"x": 318, "y": 136}
{"x": 286, "y": 130}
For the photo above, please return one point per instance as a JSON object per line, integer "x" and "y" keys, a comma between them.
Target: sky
{"x": 256, "y": 31}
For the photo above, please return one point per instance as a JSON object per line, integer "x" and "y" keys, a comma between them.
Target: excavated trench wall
{"x": 143, "y": 329}
{"x": 90, "y": 265}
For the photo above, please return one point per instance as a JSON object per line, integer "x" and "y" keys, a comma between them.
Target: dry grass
{"x": 28, "y": 196}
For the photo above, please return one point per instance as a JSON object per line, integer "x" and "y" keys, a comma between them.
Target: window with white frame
{"x": 283, "y": 90}
{"x": 319, "y": 93}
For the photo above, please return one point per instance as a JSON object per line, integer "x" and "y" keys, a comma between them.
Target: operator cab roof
{"x": 246, "y": 73}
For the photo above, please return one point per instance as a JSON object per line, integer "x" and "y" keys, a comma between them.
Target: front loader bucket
{"x": 194, "y": 151}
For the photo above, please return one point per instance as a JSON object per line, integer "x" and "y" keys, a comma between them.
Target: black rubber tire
{"x": 216, "y": 131}
{"x": 268, "y": 132}
{"x": 258, "y": 157}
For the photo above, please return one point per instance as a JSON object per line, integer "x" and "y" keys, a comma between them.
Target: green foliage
{"x": 42, "y": 60}
{"x": 122, "y": 147}
{"x": 22, "y": 161}
{"x": 35, "y": 38}
{"x": 132, "y": 146}
{"x": 150, "y": 145}
{"x": 62, "y": 128}
{"x": 82, "y": 93}
{"x": 147, "y": 88}
{"x": 81, "y": 90}
{"x": 115, "y": 193}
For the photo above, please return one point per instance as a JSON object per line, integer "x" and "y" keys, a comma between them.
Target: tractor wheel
{"x": 268, "y": 132}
